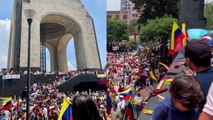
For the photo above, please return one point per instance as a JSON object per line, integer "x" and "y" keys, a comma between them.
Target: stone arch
{"x": 71, "y": 17}
{"x": 58, "y": 39}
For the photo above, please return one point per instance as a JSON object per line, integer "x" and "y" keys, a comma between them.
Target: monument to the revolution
{"x": 54, "y": 24}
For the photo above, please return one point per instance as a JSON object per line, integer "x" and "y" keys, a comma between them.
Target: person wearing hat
{"x": 121, "y": 104}
{"x": 198, "y": 56}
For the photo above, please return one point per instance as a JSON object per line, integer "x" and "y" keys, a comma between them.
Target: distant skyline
{"x": 96, "y": 9}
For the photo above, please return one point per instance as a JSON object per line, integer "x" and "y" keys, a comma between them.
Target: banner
{"x": 5, "y": 77}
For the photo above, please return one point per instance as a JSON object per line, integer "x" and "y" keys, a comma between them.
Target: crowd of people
{"x": 128, "y": 72}
{"x": 125, "y": 67}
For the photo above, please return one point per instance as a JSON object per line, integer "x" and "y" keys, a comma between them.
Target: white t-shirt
{"x": 208, "y": 108}
{"x": 45, "y": 112}
{"x": 121, "y": 104}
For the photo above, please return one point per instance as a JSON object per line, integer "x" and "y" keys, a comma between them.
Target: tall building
{"x": 126, "y": 12}
{"x": 126, "y": 5}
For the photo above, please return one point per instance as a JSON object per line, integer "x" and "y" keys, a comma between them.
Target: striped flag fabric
{"x": 153, "y": 76}
{"x": 127, "y": 93}
{"x": 186, "y": 36}
{"x": 66, "y": 110}
{"x": 7, "y": 104}
{"x": 109, "y": 103}
{"x": 129, "y": 109}
{"x": 102, "y": 79}
{"x": 166, "y": 66}
{"x": 177, "y": 38}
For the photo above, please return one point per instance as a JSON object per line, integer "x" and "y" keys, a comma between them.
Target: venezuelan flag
{"x": 166, "y": 66}
{"x": 52, "y": 107}
{"x": 7, "y": 104}
{"x": 129, "y": 110}
{"x": 102, "y": 79}
{"x": 127, "y": 93}
{"x": 153, "y": 76}
{"x": 66, "y": 110}
{"x": 47, "y": 101}
{"x": 109, "y": 103}
{"x": 185, "y": 33}
{"x": 176, "y": 39}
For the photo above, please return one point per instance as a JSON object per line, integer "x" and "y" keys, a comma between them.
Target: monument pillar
{"x": 192, "y": 13}
{"x": 61, "y": 22}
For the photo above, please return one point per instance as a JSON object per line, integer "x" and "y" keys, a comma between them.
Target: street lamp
{"x": 29, "y": 15}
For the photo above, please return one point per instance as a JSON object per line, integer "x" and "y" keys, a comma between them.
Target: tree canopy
{"x": 208, "y": 13}
{"x": 151, "y": 9}
{"x": 116, "y": 30}
{"x": 157, "y": 29}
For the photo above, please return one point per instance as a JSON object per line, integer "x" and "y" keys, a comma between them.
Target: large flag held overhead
{"x": 129, "y": 109}
{"x": 127, "y": 93}
{"x": 7, "y": 104}
{"x": 176, "y": 39}
{"x": 66, "y": 110}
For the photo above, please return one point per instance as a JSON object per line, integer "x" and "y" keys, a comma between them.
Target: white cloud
{"x": 71, "y": 66}
{"x": 208, "y": 1}
{"x": 4, "y": 40}
{"x": 113, "y": 5}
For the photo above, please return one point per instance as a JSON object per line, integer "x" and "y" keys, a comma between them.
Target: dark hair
{"x": 199, "y": 53}
{"x": 187, "y": 90}
{"x": 84, "y": 108}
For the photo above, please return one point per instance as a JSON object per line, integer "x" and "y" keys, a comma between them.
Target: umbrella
{"x": 197, "y": 33}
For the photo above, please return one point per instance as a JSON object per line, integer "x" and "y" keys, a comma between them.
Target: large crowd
{"x": 128, "y": 71}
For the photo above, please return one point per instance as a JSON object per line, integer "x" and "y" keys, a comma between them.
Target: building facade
{"x": 126, "y": 13}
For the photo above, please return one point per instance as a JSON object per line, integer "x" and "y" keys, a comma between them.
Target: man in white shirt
{"x": 207, "y": 113}
{"x": 121, "y": 103}
{"x": 45, "y": 113}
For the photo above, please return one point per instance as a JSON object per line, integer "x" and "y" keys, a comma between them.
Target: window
{"x": 133, "y": 15}
{"x": 109, "y": 16}
{"x": 124, "y": 16}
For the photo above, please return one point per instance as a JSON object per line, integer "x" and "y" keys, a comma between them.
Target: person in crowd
{"x": 207, "y": 113}
{"x": 138, "y": 103}
{"x": 198, "y": 58}
{"x": 121, "y": 105}
{"x": 185, "y": 96}
{"x": 115, "y": 113}
{"x": 84, "y": 108}
{"x": 102, "y": 112}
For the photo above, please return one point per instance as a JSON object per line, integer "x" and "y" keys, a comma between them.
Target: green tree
{"x": 157, "y": 31}
{"x": 208, "y": 13}
{"x": 151, "y": 9}
{"x": 133, "y": 28}
{"x": 116, "y": 30}
{"x": 131, "y": 44}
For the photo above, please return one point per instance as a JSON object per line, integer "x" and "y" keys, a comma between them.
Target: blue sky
{"x": 96, "y": 8}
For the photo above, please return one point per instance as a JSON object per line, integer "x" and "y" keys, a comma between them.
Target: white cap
{"x": 121, "y": 96}
{"x": 101, "y": 106}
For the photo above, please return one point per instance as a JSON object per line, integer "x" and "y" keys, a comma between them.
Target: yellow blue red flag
{"x": 177, "y": 38}
{"x": 66, "y": 110}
